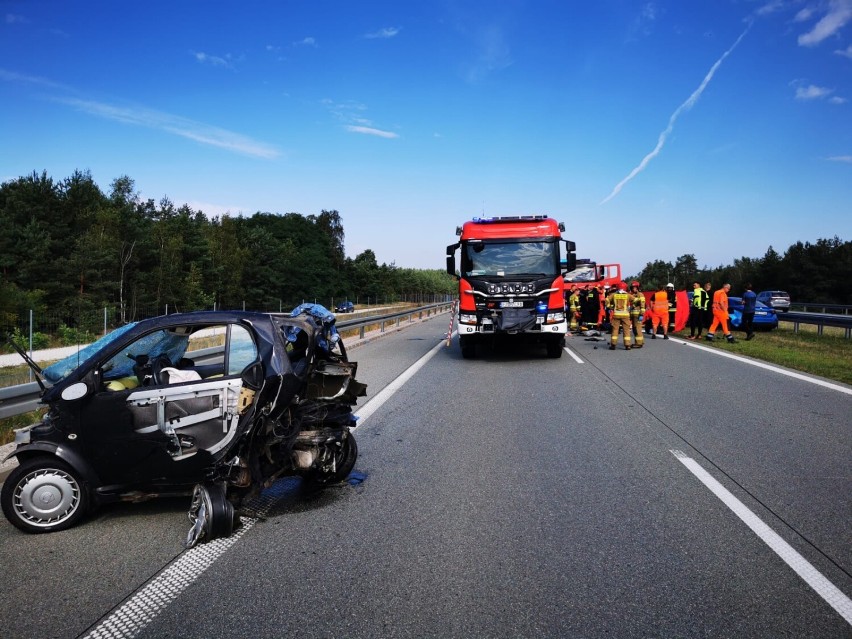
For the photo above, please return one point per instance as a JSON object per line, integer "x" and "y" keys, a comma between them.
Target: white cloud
{"x": 306, "y": 42}
{"x": 812, "y": 92}
{"x": 841, "y": 158}
{"x": 366, "y": 130}
{"x": 13, "y": 18}
{"x": 176, "y": 125}
{"x": 387, "y": 32}
{"x": 838, "y": 13}
{"x": 216, "y": 61}
{"x": 847, "y": 52}
{"x": 836, "y": 99}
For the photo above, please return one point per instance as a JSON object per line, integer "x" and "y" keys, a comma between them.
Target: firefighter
{"x": 591, "y": 307}
{"x": 574, "y": 309}
{"x": 672, "y": 295}
{"x": 637, "y": 311}
{"x": 660, "y": 313}
{"x": 619, "y": 305}
{"x": 720, "y": 314}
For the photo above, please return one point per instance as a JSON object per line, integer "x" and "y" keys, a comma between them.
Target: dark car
{"x": 345, "y": 307}
{"x": 214, "y": 404}
{"x": 779, "y": 300}
{"x": 765, "y": 317}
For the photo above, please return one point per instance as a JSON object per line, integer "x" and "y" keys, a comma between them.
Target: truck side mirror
{"x": 570, "y": 255}
{"x": 451, "y": 259}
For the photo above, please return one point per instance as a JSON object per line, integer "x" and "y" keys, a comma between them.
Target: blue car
{"x": 345, "y": 307}
{"x": 765, "y": 317}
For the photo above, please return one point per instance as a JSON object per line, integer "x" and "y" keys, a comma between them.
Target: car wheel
{"x": 211, "y": 514}
{"x": 345, "y": 456}
{"x": 44, "y": 494}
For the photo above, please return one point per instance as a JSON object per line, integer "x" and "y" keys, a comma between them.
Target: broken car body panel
{"x": 162, "y": 405}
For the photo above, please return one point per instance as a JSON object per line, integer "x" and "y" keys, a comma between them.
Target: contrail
{"x": 683, "y": 107}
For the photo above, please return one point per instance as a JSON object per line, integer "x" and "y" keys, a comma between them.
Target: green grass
{"x": 829, "y": 355}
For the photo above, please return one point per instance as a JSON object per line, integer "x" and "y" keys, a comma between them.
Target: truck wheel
{"x": 44, "y": 494}
{"x": 468, "y": 347}
{"x": 554, "y": 348}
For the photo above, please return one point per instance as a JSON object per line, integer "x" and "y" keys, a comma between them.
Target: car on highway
{"x": 765, "y": 317}
{"x": 779, "y": 300}
{"x": 345, "y": 307}
{"x": 213, "y": 404}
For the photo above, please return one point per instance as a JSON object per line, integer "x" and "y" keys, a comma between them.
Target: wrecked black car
{"x": 212, "y": 404}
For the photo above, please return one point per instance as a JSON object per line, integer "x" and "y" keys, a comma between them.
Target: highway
{"x": 666, "y": 492}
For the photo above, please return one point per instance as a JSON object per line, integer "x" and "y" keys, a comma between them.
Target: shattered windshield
{"x": 61, "y": 369}
{"x": 581, "y": 274}
{"x": 507, "y": 259}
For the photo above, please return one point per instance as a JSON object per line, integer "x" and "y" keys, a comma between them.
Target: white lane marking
{"x": 769, "y": 367}
{"x": 387, "y": 392}
{"x": 136, "y": 613}
{"x": 573, "y": 354}
{"x": 146, "y": 605}
{"x": 823, "y": 587}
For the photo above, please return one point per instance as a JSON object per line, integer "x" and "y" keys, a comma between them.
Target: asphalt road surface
{"x": 662, "y": 492}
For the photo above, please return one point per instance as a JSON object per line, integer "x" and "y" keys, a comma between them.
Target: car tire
{"x": 345, "y": 460}
{"x": 44, "y": 494}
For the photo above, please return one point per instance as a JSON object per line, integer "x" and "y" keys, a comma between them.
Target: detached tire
{"x": 44, "y": 494}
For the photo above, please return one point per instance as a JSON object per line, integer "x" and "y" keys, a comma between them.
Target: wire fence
{"x": 36, "y": 331}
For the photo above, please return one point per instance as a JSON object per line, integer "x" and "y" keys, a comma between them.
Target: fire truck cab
{"x": 511, "y": 280}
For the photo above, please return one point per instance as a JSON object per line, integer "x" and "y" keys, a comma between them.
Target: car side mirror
{"x": 74, "y": 391}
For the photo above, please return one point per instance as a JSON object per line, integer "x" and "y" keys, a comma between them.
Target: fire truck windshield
{"x": 510, "y": 259}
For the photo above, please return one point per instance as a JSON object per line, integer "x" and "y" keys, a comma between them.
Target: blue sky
{"x": 652, "y": 129}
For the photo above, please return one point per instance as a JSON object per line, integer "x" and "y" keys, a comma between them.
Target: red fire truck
{"x": 511, "y": 280}
{"x": 588, "y": 273}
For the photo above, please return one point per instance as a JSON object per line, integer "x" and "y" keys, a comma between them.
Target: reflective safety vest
{"x": 660, "y": 302}
{"x": 700, "y": 298}
{"x": 720, "y": 301}
{"x": 620, "y": 304}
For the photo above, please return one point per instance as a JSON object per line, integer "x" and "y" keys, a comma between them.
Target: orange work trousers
{"x": 720, "y": 318}
{"x": 660, "y": 319}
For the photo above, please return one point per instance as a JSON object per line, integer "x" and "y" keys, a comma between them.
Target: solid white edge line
{"x": 769, "y": 367}
{"x": 823, "y": 587}
{"x": 363, "y": 413}
{"x": 573, "y": 355}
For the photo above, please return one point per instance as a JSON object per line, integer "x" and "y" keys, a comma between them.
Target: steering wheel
{"x": 158, "y": 363}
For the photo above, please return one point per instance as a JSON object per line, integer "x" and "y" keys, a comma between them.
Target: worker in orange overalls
{"x": 660, "y": 313}
{"x": 619, "y": 304}
{"x": 720, "y": 314}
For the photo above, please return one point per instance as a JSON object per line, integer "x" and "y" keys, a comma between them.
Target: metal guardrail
{"x": 815, "y": 307}
{"x": 819, "y": 320}
{"x": 23, "y": 398}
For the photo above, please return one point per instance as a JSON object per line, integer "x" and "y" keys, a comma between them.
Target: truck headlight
{"x": 467, "y": 318}
{"x": 555, "y": 318}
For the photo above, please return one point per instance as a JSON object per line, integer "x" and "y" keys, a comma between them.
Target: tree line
{"x": 67, "y": 246}
{"x": 820, "y": 272}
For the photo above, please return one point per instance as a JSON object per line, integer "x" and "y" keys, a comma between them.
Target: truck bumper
{"x": 487, "y": 328}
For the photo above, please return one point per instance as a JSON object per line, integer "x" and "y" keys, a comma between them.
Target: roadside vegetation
{"x": 828, "y": 355}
